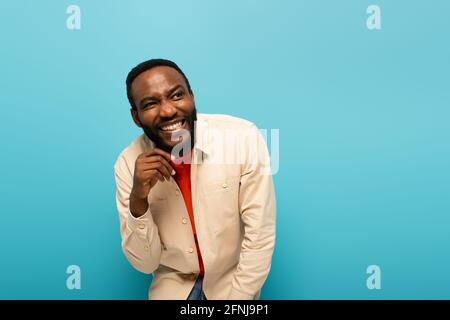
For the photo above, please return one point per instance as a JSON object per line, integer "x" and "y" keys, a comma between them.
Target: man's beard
{"x": 159, "y": 143}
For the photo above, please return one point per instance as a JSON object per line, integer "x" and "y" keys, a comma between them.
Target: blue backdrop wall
{"x": 364, "y": 137}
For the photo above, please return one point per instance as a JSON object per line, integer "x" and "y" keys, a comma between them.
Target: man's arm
{"x": 258, "y": 211}
{"x": 140, "y": 239}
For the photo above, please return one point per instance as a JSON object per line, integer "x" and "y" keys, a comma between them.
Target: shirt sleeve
{"x": 140, "y": 238}
{"x": 258, "y": 212}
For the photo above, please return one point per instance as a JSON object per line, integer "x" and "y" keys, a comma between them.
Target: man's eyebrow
{"x": 174, "y": 88}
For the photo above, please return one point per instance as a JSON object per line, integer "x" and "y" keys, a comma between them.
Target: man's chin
{"x": 168, "y": 146}
{"x": 176, "y": 146}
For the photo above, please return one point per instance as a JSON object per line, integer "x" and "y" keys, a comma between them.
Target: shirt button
{"x": 177, "y": 192}
{"x": 142, "y": 226}
{"x": 184, "y": 220}
{"x": 146, "y": 247}
{"x": 191, "y": 250}
{"x": 224, "y": 185}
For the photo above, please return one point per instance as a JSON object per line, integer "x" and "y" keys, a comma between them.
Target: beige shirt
{"x": 234, "y": 207}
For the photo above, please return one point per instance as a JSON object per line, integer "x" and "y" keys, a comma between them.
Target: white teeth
{"x": 172, "y": 127}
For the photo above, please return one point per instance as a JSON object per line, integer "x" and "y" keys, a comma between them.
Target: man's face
{"x": 164, "y": 106}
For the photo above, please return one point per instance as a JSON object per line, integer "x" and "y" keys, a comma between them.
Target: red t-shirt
{"x": 183, "y": 179}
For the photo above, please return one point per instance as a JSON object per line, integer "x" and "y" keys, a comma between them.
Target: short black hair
{"x": 147, "y": 65}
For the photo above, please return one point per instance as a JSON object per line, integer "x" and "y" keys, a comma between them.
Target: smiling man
{"x": 204, "y": 227}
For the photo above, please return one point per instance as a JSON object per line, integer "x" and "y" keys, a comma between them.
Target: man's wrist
{"x": 138, "y": 205}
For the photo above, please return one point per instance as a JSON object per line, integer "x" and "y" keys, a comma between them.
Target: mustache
{"x": 176, "y": 118}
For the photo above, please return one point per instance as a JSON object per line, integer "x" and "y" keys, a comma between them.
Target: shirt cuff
{"x": 140, "y": 223}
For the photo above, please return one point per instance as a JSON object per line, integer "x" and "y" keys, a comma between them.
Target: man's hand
{"x": 150, "y": 167}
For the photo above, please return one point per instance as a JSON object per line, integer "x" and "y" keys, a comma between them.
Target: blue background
{"x": 364, "y": 137}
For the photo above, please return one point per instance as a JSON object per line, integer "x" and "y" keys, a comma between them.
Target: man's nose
{"x": 167, "y": 110}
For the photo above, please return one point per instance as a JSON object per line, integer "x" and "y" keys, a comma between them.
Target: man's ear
{"x": 135, "y": 117}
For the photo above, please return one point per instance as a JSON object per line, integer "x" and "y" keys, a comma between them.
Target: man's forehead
{"x": 157, "y": 79}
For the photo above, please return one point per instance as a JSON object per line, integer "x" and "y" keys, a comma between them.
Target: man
{"x": 204, "y": 227}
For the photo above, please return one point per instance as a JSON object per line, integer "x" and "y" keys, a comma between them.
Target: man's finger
{"x": 158, "y": 165}
{"x": 154, "y": 173}
{"x": 154, "y": 151}
{"x": 160, "y": 176}
{"x": 160, "y": 159}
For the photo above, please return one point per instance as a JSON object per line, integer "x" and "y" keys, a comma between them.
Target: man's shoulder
{"x": 224, "y": 121}
{"x": 133, "y": 150}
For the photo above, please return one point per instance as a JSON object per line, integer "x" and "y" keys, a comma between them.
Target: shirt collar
{"x": 201, "y": 135}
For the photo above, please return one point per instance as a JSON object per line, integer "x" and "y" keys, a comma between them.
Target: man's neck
{"x": 184, "y": 157}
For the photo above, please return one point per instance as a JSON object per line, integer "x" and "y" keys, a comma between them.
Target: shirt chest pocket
{"x": 220, "y": 199}
{"x": 228, "y": 185}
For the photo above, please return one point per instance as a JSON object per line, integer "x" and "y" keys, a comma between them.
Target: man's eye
{"x": 178, "y": 94}
{"x": 149, "y": 105}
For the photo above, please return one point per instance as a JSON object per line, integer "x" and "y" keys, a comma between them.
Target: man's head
{"x": 162, "y": 101}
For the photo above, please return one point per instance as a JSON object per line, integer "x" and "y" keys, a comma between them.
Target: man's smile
{"x": 172, "y": 126}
